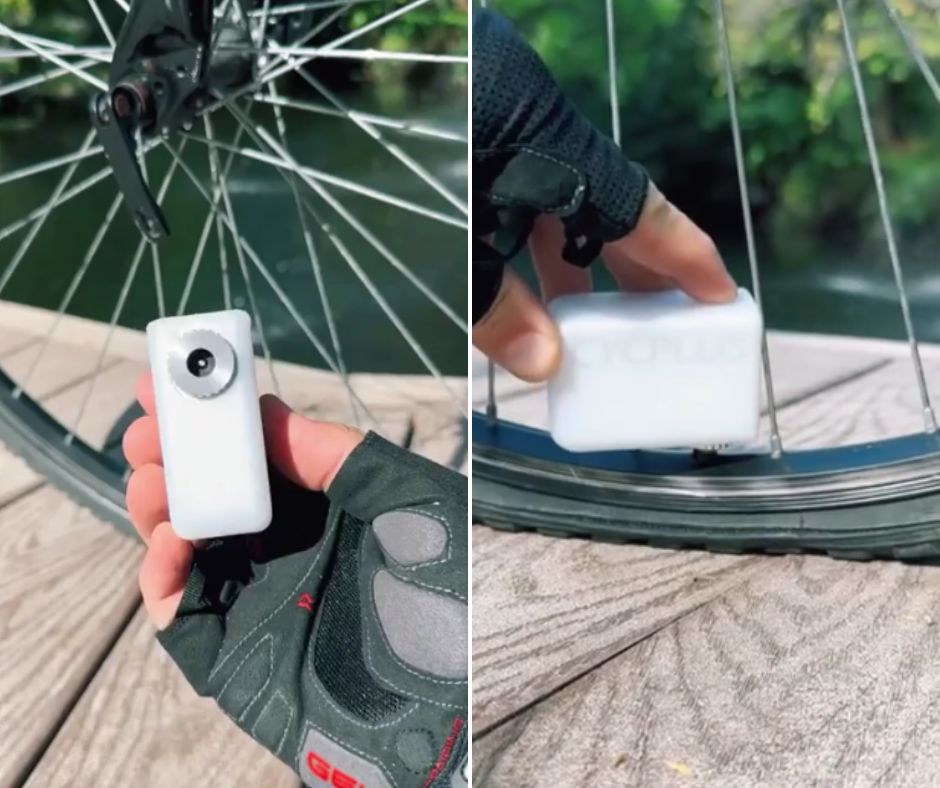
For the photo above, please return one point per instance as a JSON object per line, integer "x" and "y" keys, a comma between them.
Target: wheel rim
{"x": 767, "y": 478}
{"x": 258, "y": 126}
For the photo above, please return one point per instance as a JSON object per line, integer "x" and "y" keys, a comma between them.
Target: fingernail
{"x": 532, "y": 356}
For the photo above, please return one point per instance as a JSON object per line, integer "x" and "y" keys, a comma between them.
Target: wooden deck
{"x": 88, "y": 699}
{"x": 611, "y": 665}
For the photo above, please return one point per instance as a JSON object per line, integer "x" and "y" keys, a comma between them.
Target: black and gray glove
{"x": 534, "y": 153}
{"x": 338, "y": 637}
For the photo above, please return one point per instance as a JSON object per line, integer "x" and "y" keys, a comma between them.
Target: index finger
{"x": 668, "y": 242}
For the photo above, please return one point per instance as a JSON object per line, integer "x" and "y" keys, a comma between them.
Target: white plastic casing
{"x": 212, "y": 446}
{"x": 655, "y": 371}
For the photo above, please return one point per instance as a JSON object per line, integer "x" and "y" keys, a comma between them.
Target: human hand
{"x": 337, "y": 637}
{"x": 542, "y": 171}
{"x": 308, "y": 452}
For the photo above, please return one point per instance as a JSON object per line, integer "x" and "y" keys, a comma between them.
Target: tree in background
{"x": 807, "y": 163}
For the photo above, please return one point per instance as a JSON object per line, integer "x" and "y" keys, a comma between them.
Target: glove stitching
{"x": 308, "y": 726}
{"x": 254, "y": 728}
{"x": 287, "y": 598}
{"x": 450, "y": 538}
{"x": 397, "y": 660}
{"x": 507, "y": 201}
{"x": 429, "y": 587}
{"x": 264, "y": 576}
{"x": 244, "y": 659}
{"x": 264, "y": 686}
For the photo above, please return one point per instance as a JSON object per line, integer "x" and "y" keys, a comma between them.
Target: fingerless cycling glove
{"x": 338, "y": 637}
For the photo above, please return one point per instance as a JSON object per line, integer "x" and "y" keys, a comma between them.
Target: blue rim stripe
{"x": 507, "y": 436}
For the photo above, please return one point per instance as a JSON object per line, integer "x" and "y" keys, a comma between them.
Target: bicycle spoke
{"x": 915, "y": 51}
{"x": 50, "y": 164}
{"x": 222, "y": 186}
{"x": 368, "y": 55}
{"x": 105, "y": 28}
{"x": 274, "y": 71}
{"x": 45, "y": 54}
{"x": 265, "y": 272}
{"x": 930, "y": 422}
{"x": 219, "y": 230}
{"x": 612, "y": 71}
{"x": 405, "y": 126}
{"x": 119, "y": 307}
{"x": 39, "y": 79}
{"x": 194, "y": 265}
{"x": 53, "y": 58}
{"x": 53, "y": 202}
{"x": 314, "y": 261}
{"x": 74, "y": 284}
{"x": 263, "y": 24}
{"x": 776, "y": 445}
{"x": 77, "y": 189}
{"x": 99, "y": 53}
{"x": 211, "y": 219}
{"x": 390, "y": 147}
{"x": 259, "y": 134}
{"x": 296, "y": 8}
{"x": 390, "y": 313}
{"x": 343, "y": 183}
{"x": 252, "y": 129}
{"x": 491, "y": 411}
{"x": 154, "y": 251}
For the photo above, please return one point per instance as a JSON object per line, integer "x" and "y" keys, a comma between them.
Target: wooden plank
{"x": 67, "y": 585}
{"x": 60, "y": 366}
{"x": 441, "y": 434}
{"x": 115, "y": 391}
{"x": 880, "y": 405}
{"x": 16, "y": 477}
{"x": 812, "y": 672}
{"x": 12, "y": 340}
{"x": 139, "y": 723}
{"x": 545, "y": 610}
{"x": 58, "y": 385}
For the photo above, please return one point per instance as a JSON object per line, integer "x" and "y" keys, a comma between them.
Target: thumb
{"x": 518, "y": 334}
{"x": 308, "y": 452}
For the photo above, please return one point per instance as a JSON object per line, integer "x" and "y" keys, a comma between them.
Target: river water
{"x": 267, "y": 217}
{"x": 830, "y": 292}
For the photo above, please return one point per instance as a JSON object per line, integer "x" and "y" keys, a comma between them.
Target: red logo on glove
{"x": 322, "y": 769}
{"x": 306, "y": 602}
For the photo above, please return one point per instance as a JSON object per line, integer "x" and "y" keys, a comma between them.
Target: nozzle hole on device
{"x": 200, "y": 363}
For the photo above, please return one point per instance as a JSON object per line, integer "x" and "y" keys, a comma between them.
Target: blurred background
{"x": 51, "y": 119}
{"x": 821, "y": 248}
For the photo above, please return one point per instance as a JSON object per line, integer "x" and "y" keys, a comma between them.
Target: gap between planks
{"x": 812, "y": 672}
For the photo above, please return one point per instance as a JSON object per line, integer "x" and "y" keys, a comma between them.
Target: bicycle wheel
{"x": 310, "y": 169}
{"x": 877, "y": 495}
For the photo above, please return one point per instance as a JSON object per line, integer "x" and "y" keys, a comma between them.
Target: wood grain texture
{"x": 812, "y": 672}
{"x": 67, "y": 585}
{"x": 12, "y": 340}
{"x": 16, "y": 477}
{"x": 441, "y": 434}
{"x": 879, "y": 405}
{"x": 547, "y": 610}
{"x": 139, "y": 723}
{"x": 60, "y": 366}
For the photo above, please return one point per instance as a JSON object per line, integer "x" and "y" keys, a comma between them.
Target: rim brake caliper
{"x": 157, "y": 84}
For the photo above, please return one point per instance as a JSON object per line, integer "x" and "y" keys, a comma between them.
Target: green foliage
{"x": 807, "y": 163}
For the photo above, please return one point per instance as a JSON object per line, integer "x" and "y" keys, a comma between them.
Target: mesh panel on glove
{"x": 534, "y": 152}
{"x": 284, "y": 631}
